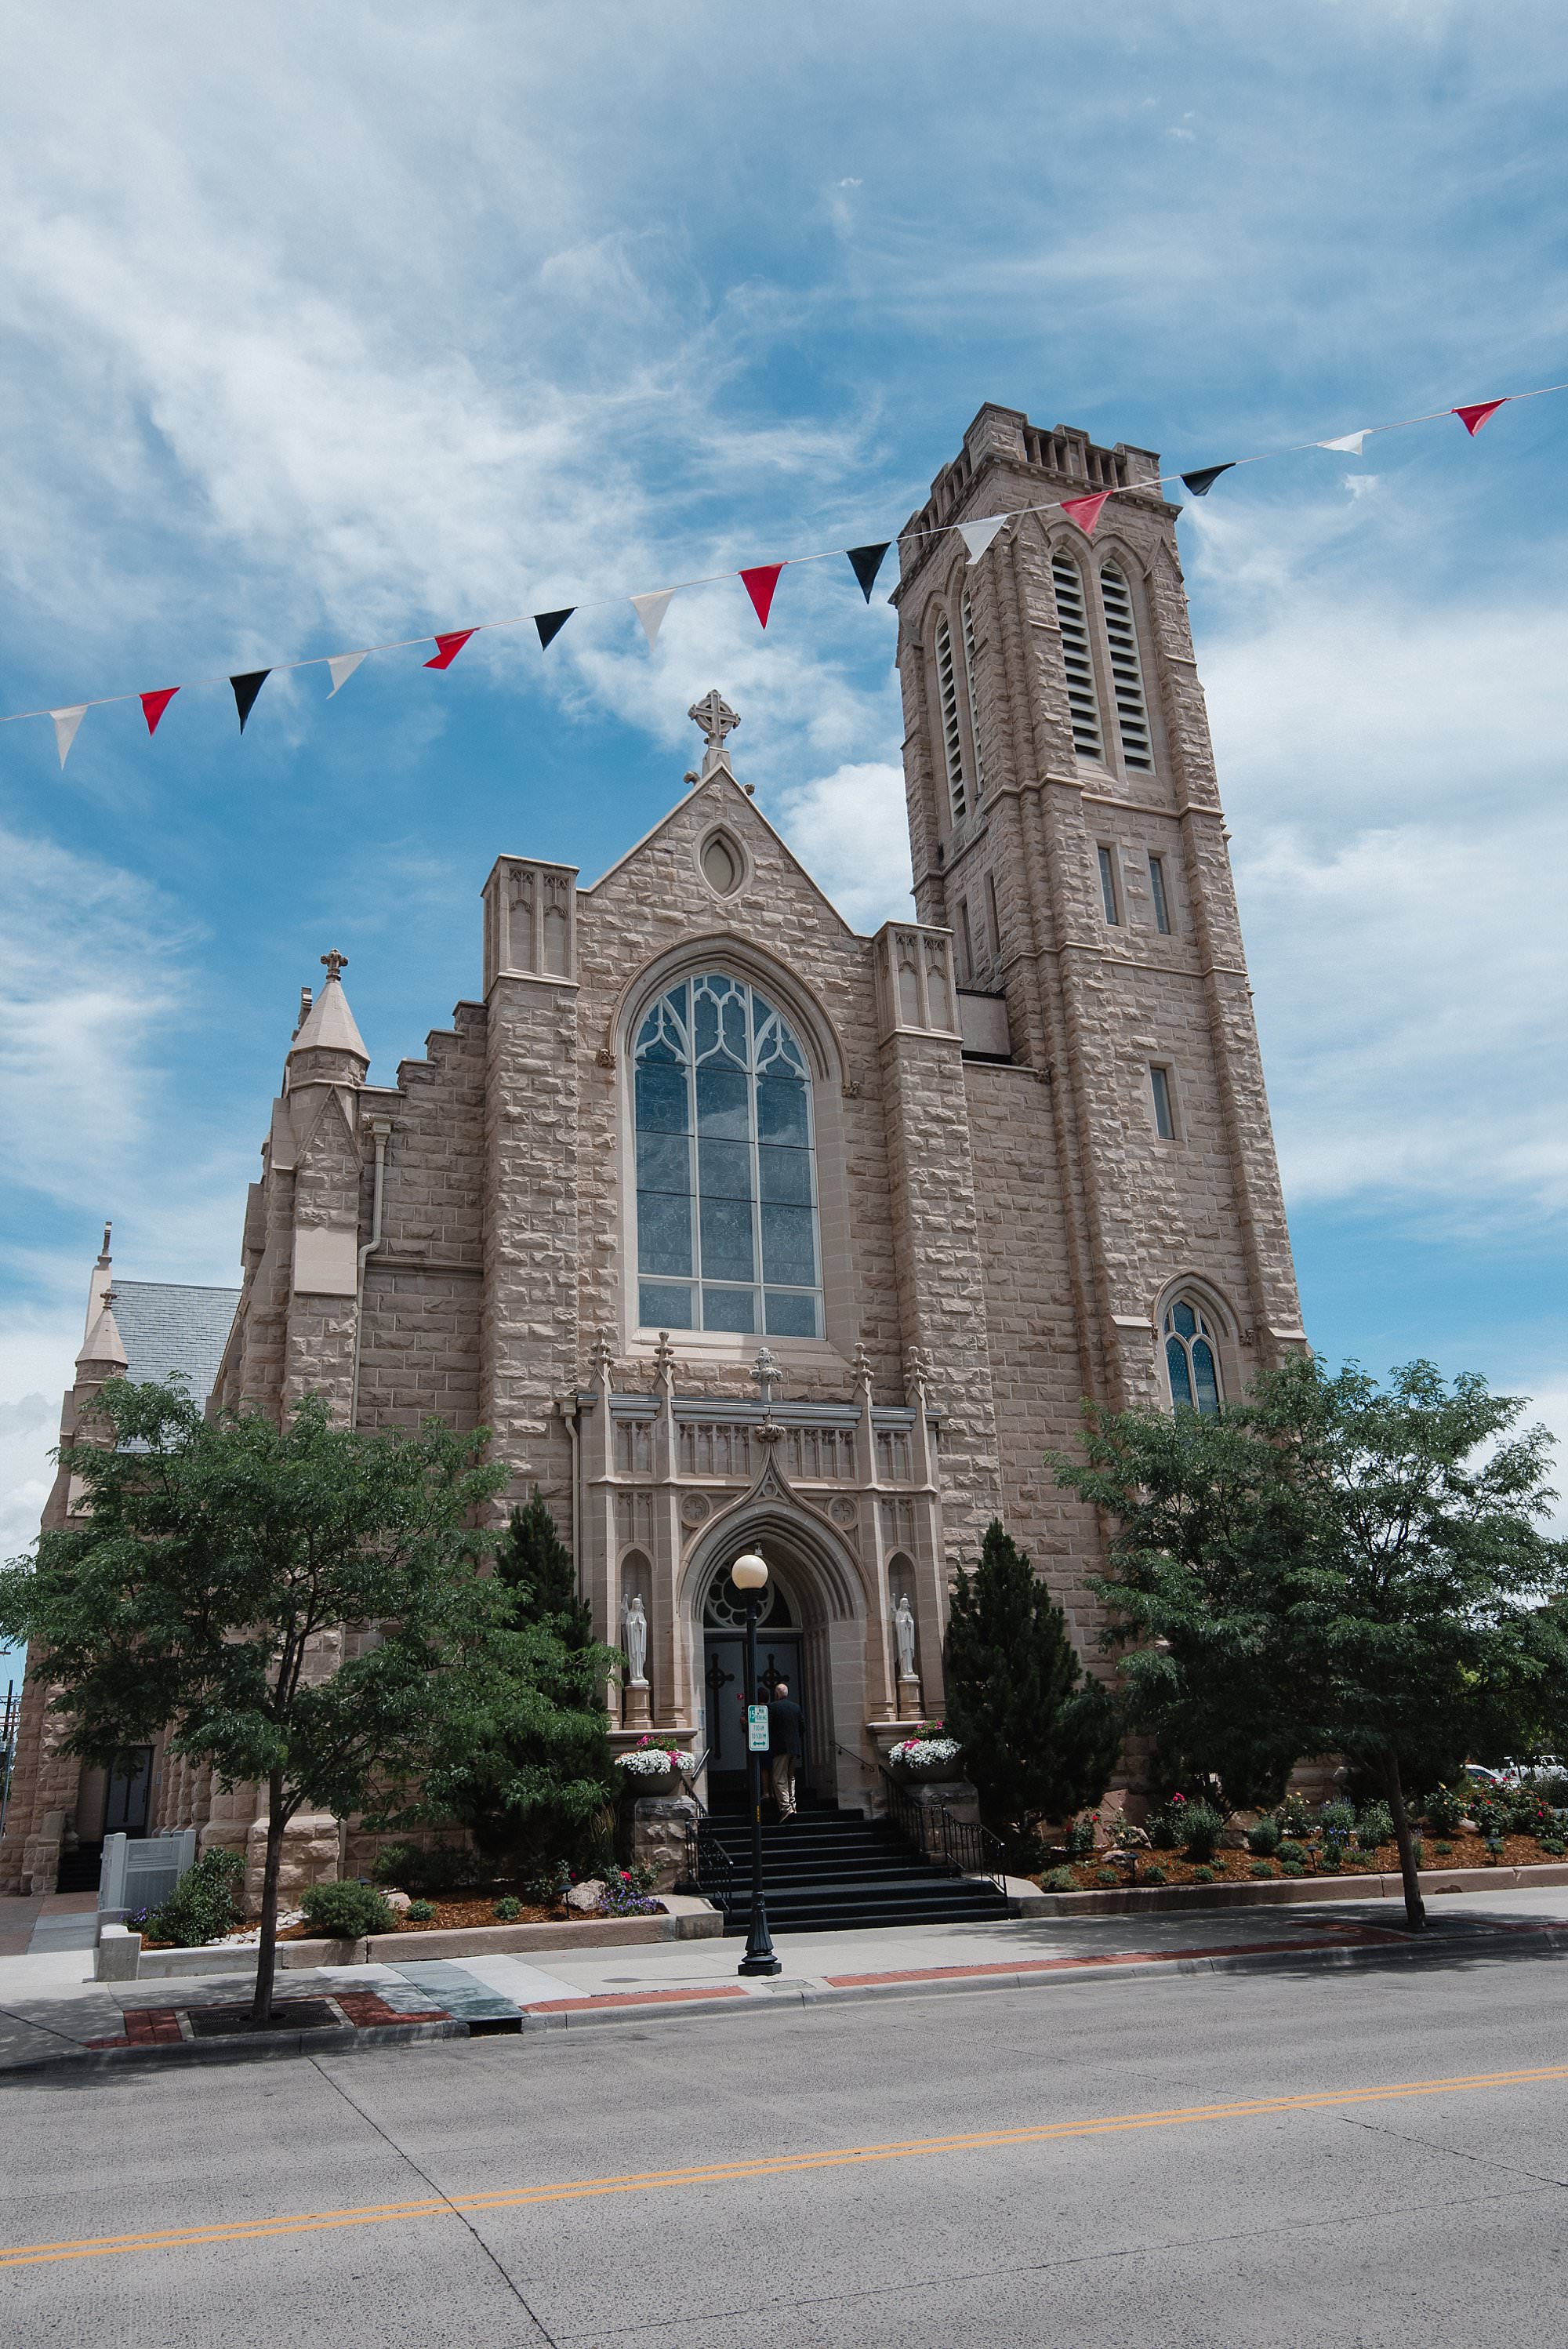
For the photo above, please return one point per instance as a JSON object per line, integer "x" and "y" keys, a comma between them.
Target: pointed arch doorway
{"x": 813, "y": 1632}
{"x": 779, "y": 1659}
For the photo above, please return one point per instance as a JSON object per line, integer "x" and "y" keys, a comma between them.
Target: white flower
{"x": 922, "y": 1751}
{"x": 653, "y": 1761}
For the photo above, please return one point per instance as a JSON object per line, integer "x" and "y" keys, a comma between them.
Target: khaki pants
{"x": 783, "y": 1776}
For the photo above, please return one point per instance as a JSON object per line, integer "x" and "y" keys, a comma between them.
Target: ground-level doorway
{"x": 779, "y": 1657}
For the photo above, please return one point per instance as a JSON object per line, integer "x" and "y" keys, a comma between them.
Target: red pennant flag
{"x": 153, "y": 706}
{"x": 448, "y": 646}
{"x": 1085, "y": 512}
{"x": 1472, "y": 419}
{"x": 759, "y": 585}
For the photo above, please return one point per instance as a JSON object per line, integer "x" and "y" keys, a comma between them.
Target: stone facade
{"x": 1003, "y": 1222}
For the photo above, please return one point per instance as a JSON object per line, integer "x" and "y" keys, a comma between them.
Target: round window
{"x": 722, "y": 864}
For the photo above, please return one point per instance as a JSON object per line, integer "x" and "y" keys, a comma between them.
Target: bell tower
{"x": 1065, "y": 824}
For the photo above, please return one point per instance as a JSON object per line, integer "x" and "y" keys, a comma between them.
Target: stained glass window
{"x": 727, "y": 1190}
{"x": 1191, "y": 1358}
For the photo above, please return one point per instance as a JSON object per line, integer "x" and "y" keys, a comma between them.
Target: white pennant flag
{"x": 65, "y": 724}
{"x": 978, "y": 535}
{"x": 1351, "y": 442}
{"x": 343, "y": 666}
{"x": 650, "y": 610}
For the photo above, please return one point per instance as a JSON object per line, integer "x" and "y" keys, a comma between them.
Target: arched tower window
{"x": 1072, "y": 617}
{"x": 952, "y": 727}
{"x": 966, "y": 620}
{"x": 727, "y": 1189}
{"x": 1192, "y": 1357}
{"x": 1126, "y": 671}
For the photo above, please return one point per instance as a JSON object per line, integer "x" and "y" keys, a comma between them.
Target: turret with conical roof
{"x": 328, "y": 1049}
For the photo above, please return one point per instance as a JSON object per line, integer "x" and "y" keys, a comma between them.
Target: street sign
{"x": 756, "y": 1729}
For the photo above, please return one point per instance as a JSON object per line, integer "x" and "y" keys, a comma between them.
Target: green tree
{"x": 213, "y": 1562}
{"x": 1040, "y": 1738}
{"x": 1333, "y": 1566}
{"x": 525, "y": 1762}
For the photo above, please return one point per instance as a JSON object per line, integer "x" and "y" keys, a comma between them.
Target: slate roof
{"x": 168, "y": 1326}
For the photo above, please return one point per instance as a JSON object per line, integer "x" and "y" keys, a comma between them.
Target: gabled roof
{"x": 170, "y": 1326}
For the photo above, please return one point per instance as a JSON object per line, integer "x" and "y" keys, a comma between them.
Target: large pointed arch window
{"x": 1191, "y": 1358}
{"x": 726, "y": 1184}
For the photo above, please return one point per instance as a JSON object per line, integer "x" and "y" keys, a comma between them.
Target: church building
{"x": 740, "y": 1231}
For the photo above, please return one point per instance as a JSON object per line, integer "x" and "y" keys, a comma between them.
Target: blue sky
{"x": 399, "y": 318}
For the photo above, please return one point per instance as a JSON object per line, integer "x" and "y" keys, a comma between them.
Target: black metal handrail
{"x": 962, "y": 1845}
{"x": 710, "y": 1871}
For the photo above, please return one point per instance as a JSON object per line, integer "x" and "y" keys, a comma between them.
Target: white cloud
{"x": 850, "y": 831}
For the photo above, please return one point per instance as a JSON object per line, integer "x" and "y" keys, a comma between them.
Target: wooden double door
{"x": 778, "y": 1658}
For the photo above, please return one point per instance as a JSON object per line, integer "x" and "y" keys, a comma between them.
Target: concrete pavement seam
{"x": 243, "y": 2047}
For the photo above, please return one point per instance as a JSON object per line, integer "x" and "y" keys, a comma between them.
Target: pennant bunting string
{"x": 1086, "y": 512}
{"x": 759, "y": 580}
{"x": 65, "y": 724}
{"x": 650, "y": 610}
{"x": 760, "y": 584}
{"x": 865, "y": 561}
{"x": 247, "y": 688}
{"x": 448, "y": 646}
{"x": 978, "y": 535}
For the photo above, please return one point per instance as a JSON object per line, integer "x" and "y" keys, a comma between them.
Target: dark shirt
{"x": 785, "y": 1727}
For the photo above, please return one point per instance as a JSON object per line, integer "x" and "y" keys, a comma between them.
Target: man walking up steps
{"x": 787, "y": 1742}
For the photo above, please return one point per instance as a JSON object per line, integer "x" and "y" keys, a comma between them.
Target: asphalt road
{"x": 1424, "y": 2218}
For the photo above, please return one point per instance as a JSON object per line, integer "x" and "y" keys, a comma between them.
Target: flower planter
{"x": 923, "y": 1773}
{"x": 638, "y": 1783}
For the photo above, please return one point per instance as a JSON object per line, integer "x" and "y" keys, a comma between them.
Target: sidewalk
{"x": 52, "y": 2013}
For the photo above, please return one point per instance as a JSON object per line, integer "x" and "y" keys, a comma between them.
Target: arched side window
{"x": 727, "y": 1189}
{"x": 966, "y": 620}
{"x": 1072, "y": 617}
{"x": 1126, "y": 671}
{"x": 1192, "y": 1357}
{"x": 952, "y": 730}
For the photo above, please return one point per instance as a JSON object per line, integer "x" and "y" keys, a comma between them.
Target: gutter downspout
{"x": 381, "y": 1129}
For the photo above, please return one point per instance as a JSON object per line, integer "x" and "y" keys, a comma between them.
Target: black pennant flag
{"x": 549, "y": 624}
{"x": 247, "y": 688}
{"x": 865, "y": 561}
{"x": 1203, "y": 479}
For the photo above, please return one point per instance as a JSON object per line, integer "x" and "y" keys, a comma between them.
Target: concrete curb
{"x": 248, "y": 2046}
{"x": 1530, "y": 1942}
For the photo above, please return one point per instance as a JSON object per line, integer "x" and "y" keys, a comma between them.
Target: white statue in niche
{"x": 903, "y": 1632}
{"x": 635, "y": 1639}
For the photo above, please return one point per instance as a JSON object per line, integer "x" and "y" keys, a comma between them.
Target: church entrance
{"x": 781, "y": 1657}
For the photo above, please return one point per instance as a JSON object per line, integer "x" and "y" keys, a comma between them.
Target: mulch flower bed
{"x": 1244, "y": 1867}
{"x": 453, "y": 1913}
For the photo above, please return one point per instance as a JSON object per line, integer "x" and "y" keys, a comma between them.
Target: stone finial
{"x": 664, "y": 1357}
{"x": 765, "y": 1369}
{"x": 863, "y": 1364}
{"x": 332, "y": 964}
{"x": 602, "y": 1353}
{"x": 917, "y": 1361}
{"x": 716, "y": 719}
{"x": 103, "y": 1259}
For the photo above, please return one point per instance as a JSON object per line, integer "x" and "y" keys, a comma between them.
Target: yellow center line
{"x": 719, "y": 2173}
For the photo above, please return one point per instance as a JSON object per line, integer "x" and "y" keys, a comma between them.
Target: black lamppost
{"x": 750, "y": 1573}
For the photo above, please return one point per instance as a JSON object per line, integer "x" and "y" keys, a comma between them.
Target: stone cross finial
{"x": 716, "y": 718}
{"x": 765, "y": 1369}
{"x": 334, "y": 962}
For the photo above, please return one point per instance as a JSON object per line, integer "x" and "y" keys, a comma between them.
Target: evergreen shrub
{"x": 1202, "y": 1876}
{"x": 445, "y": 1869}
{"x": 1264, "y": 1838}
{"x": 1374, "y": 1825}
{"x": 508, "y": 1908}
{"x": 1291, "y": 1868}
{"x": 419, "y": 1912}
{"x": 1106, "y": 1876}
{"x": 1292, "y": 1852}
{"x": 347, "y": 1910}
{"x": 1155, "y": 1875}
{"x": 1060, "y": 1879}
{"x": 1203, "y": 1826}
{"x": 1262, "y": 1868}
{"x": 203, "y": 1905}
